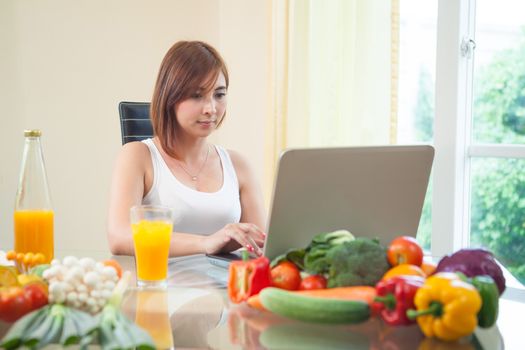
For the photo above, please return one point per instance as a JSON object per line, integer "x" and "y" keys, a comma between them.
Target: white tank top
{"x": 195, "y": 212}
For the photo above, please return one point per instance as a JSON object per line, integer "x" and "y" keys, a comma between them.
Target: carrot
{"x": 360, "y": 293}
{"x": 255, "y": 302}
{"x": 114, "y": 264}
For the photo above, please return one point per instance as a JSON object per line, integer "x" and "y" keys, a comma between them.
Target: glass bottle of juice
{"x": 33, "y": 216}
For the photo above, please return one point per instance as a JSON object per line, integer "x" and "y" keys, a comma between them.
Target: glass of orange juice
{"x": 151, "y": 227}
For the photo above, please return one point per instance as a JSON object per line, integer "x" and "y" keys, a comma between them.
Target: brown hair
{"x": 184, "y": 70}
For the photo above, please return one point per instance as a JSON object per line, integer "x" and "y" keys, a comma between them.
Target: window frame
{"x": 452, "y": 132}
{"x": 450, "y": 203}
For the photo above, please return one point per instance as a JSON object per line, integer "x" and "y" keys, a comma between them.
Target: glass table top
{"x": 194, "y": 312}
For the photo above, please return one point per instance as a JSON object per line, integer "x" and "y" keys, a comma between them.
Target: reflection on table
{"x": 152, "y": 314}
{"x": 251, "y": 329}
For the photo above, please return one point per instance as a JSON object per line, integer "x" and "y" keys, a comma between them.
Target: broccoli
{"x": 315, "y": 258}
{"x": 362, "y": 261}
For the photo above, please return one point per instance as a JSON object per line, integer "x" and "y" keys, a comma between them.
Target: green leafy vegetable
{"x": 312, "y": 258}
{"x": 50, "y": 324}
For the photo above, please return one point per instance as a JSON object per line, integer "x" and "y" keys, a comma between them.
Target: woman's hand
{"x": 243, "y": 235}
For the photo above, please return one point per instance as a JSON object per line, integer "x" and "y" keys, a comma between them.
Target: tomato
{"x": 114, "y": 264}
{"x": 3, "y": 304}
{"x": 14, "y": 304}
{"x": 404, "y": 250}
{"x": 36, "y": 294}
{"x": 286, "y": 276}
{"x": 404, "y": 270}
{"x": 313, "y": 282}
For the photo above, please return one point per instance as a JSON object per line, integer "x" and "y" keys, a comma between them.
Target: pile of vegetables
{"x": 20, "y": 294}
{"x": 478, "y": 268}
{"x": 335, "y": 272}
{"x": 21, "y": 290}
{"x": 84, "y": 308}
{"x": 340, "y": 258}
{"x": 444, "y": 302}
{"x": 338, "y": 278}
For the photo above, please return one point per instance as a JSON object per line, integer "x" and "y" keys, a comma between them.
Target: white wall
{"x": 244, "y": 38}
{"x": 64, "y": 67}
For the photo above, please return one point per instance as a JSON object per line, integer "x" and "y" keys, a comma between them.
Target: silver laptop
{"x": 375, "y": 192}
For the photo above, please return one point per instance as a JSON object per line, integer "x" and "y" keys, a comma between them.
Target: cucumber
{"x": 314, "y": 309}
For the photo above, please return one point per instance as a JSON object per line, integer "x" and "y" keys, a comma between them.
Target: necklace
{"x": 196, "y": 176}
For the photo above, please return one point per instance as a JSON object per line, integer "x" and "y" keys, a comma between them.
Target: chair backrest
{"x": 135, "y": 124}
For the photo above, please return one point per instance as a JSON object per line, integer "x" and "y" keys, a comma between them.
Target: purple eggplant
{"x": 473, "y": 262}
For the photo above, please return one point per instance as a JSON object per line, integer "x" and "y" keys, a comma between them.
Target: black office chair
{"x": 135, "y": 124}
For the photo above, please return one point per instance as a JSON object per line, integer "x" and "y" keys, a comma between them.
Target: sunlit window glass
{"x": 498, "y": 210}
{"x": 417, "y": 67}
{"x": 497, "y": 189}
{"x": 499, "y": 72}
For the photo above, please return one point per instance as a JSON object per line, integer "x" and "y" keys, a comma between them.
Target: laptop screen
{"x": 375, "y": 192}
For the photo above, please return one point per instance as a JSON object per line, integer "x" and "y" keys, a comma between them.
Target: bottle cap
{"x": 32, "y": 133}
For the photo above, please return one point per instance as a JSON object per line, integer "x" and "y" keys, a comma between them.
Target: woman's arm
{"x": 127, "y": 190}
{"x": 252, "y": 207}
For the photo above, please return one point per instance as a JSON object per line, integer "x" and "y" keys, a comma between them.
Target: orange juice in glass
{"x": 34, "y": 232}
{"x": 151, "y": 227}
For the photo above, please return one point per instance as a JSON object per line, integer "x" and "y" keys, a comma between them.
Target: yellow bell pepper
{"x": 447, "y": 307}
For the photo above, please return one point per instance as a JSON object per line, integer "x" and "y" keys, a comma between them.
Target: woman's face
{"x": 202, "y": 111}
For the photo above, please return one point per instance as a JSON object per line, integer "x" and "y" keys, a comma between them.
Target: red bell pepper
{"x": 247, "y": 278}
{"x": 394, "y": 297}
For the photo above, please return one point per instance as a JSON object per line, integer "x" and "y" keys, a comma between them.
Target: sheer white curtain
{"x": 331, "y": 84}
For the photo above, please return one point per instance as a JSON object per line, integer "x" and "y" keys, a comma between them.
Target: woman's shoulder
{"x": 135, "y": 147}
{"x": 136, "y": 152}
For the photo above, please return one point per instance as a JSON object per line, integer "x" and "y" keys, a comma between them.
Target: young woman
{"x": 217, "y": 201}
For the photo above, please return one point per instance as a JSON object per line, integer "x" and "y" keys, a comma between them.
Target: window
{"x": 497, "y": 174}
{"x": 417, "y": 71}
{"x": 460, "y": 76}
{"x": 477, "y": 194}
